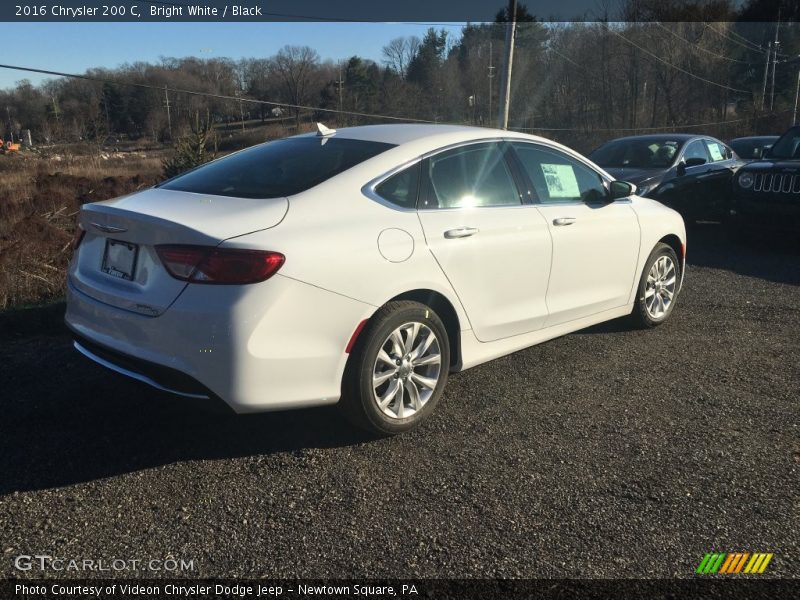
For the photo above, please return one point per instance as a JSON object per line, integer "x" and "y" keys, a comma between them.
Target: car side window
{"x": 718, "y": 151}
{"x": 557, "y": 177}
{"x": 471, "y": 176}
{"x": 696, "y": 149}
{"x": 401, "y": 188}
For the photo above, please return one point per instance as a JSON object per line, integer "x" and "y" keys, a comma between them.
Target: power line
{"x": 753, "y": 47}
{"x": 698, "y": 47}
{"x": 213, "y": 95}
{"x": 659, "y": 128}
{"x": 735, "y": 34}
{"x": 569, "y": 60}
{"x": 677, "y": 68}
{"x": 668, "y": 128}
{"x": 167, "y": 89}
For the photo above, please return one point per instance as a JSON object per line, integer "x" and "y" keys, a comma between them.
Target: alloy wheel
{"x": 406, "y": 370}
{"x": 660, "y": 287}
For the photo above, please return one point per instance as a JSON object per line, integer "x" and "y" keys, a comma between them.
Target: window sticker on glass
{"x": 715, "y": 153}
{"x": 561, "y": 181}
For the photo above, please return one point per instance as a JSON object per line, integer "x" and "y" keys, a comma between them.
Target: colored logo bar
{"x": 730, "y": 563}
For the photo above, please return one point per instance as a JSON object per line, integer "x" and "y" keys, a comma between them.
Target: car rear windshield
{"x": 788, "y": 146}
{"x": 280, "y": 168}
{"x": 638, "y": 153}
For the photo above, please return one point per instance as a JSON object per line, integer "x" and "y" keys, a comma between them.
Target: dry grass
{"x": 41, "y": 193}
{"x": 39, "y": 200}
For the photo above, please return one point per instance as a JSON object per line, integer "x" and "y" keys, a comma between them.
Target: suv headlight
{"x": 746, "y": 180}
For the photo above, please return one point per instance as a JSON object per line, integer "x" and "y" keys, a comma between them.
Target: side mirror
{"x": 690, "y": 162}
{"x": 621, "y": 189}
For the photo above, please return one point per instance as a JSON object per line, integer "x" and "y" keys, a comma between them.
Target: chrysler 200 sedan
{"x": 362, "y": 266}
{"x": 691, "y": 173}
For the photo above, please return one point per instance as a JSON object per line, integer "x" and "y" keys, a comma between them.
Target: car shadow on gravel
{"x": 91, "y": 424}
{"x": 774, "y": 258}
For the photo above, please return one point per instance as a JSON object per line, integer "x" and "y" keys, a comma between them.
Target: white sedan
{"x": 362, "y": 266}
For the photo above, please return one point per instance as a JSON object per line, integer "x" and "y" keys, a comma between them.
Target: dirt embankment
{"x": 39, "y": 201}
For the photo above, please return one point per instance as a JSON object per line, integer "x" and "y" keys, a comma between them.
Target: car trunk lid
{"x": 117, "y": 261}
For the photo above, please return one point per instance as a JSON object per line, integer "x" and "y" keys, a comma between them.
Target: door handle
{"x": 561, "y": 221}
{"x": 460, "y": 232}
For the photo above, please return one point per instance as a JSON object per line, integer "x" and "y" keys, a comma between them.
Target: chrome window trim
{"x": 368, "y": 189}
{"x": 579, "y": 158}
{"x": 494, "y": 140}
{"x": 686, "y": 147}
{"x": 607, "y": 179}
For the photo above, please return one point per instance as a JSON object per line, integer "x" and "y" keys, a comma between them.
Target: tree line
{"x": 577, "y": 82}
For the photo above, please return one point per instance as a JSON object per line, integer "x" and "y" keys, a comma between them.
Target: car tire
{"x": 387, "y": 398}
{"x": 658, "y": 288}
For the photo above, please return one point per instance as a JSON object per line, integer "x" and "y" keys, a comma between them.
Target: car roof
{"x": 413, "y": 140}
{"x": 756, "y": 137}
{"x": 404, "y": 133}
{"x": 661, "y": 136}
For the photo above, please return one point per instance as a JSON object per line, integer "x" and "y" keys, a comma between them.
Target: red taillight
{"x": 201, "y": 264}
{"x": 80, "y": 232}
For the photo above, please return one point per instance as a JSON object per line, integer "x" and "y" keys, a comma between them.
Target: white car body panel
{"x": 157, "y": 216}
{"x": 594, "y": 258}
{"x": 273, "y": 349}
{"x": 282, "y": 343}
{"x": 476, "y": 352}
{"x": 657, "y": 222}
{"x": 501, "y": 271}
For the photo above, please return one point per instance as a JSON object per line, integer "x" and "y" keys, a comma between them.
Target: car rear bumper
{"x": 157, "y": 376}
{"x": 279, "y": 344}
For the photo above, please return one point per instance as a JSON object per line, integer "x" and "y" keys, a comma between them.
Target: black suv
{"x": 766, "y": 192}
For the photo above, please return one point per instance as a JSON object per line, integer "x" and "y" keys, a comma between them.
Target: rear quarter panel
{"x": 330, "y": 239}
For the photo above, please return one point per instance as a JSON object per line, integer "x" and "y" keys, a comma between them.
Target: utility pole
{"x": 238, "y": 94}
{"x": 491, "y": 87}
{"x": 796, "y": 94}
{"x": 340, "y": 83}
{"x": 169, "y": 118}
{"x": 774, "y": 63}
{"x": 56, "y": 112}
{"x": 505, "y": 90}
{"x": 766, "y": 72}
{"x": 108, "y": 119}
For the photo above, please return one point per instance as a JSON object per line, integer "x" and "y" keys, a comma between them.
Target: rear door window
{"x": 696, "y": 149}
{"x": 276, "y": 169}
{"x": 476, "y": 175}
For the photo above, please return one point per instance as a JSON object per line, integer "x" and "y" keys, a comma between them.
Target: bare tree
{"x": 295, "y": 66}
{"x": 398, "y": 53}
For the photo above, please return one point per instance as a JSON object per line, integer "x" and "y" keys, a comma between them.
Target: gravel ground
{"x": 605, "y": 453}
